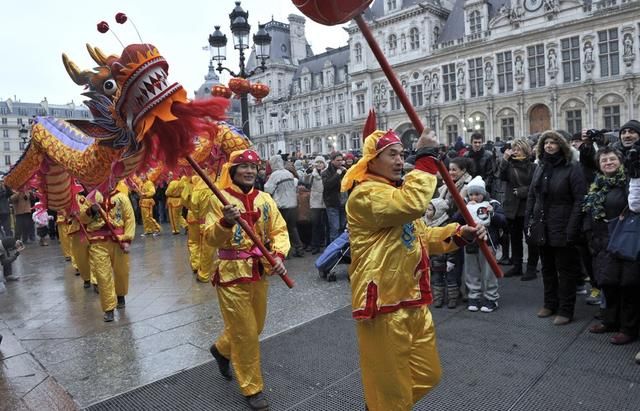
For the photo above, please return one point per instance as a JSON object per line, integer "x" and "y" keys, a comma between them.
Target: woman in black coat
{"x": 553, "y": 220}
{"x": 619, "y": 280}
{"x": 516, "y": 170}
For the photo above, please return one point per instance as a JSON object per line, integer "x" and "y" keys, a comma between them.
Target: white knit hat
{"x": 477, "y": 186}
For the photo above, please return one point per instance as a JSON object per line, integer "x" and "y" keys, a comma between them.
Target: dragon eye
{"x": 109, "y": 87}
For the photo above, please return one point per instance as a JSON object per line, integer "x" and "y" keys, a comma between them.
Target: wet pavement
{"x": 57, "y": 353}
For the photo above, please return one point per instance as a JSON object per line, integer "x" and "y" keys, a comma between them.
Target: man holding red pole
{"x": 389, "y": 272}
{"x": 240, "y": 270}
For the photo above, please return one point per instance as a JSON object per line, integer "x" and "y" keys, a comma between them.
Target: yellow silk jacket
{"x": 120, "y": 212}
{"x": 147, "y": 191}
{"x": 237, "y": 260}
{"x": 390, "y": 243}
{"x": 198, "y": 202}
{"x": 74, "y": 224}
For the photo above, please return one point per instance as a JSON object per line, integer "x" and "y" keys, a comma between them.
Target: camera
{"x": 632, "y": 161}
{"x": 597, "y": 136}
{"x": 505, "y": 147}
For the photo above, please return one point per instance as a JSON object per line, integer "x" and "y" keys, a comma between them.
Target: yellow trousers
{"x": 193, "y": 243}
{"x": 398, "y": 358}
{"x": 80, "y": 256}
{"x": 149, "y": 223}
{"x": 111, "y": 268}
{"x": 65, "y": 242}
{"x": 243, "y": 308}
{"x": 176, "y": 220}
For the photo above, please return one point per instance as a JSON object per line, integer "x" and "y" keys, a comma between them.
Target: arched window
{"x": 355, "y": 141}
{"x": 475, "y": 22}
{"x": 307, "y": 146}
{"x": 357, "y": 51}
{"x": 393, "y": 43}
{"x": 342, "y": 142}
{"x": 414, "y": 39}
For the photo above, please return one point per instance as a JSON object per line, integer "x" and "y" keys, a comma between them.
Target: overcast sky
{"x": 35, "y": 33}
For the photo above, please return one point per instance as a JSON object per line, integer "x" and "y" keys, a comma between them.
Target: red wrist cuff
{"x": 427, "y": 164}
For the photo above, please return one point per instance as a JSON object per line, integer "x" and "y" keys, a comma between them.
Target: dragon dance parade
{"x": 296, "y": 233}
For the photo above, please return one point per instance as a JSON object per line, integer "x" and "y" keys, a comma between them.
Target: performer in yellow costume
{"x": 79, "y": 244}
{"x": 147, "y": 191}
{"x": 193, "y": 223}
{"x": 239, "y": 270}
{"x": 107, "y": 258}
{"x": 200, "y": 198}
{"x": 390, "y": 246}
{"x": 63, "y": 235}
{"x": 174, "y": 204}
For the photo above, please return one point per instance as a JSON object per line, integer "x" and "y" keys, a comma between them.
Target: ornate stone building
{"x": 506, "y": 68}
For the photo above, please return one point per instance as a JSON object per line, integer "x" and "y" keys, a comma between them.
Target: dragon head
{"x": 157, "y": 110}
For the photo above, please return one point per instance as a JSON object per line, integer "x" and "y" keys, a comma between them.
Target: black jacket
{"x": 608, "y": 269}
{"x": 483, "y": 166}
{"x": 517, "y": 176}
{"x": 331, "y": 185}
{"x": 5, "y": 193}
{"x": 560, "y": 198}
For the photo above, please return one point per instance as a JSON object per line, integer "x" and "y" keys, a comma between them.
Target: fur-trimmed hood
{"x": 564, "y": 144}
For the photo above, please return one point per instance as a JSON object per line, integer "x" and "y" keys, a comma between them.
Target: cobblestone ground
{"x": 57, "y": 353}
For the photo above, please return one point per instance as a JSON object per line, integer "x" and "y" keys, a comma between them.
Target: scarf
{"x": 597, "y": 195}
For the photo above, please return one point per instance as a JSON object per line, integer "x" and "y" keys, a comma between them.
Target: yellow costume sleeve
{"x": 385, "y": 206}
{"x": 128, "y": 217}
{"x": 215, "y": 233}
{"x": 148, "y": 189}
{"x": 173, "y": 189}
{"x": 436, "y": 238}
{"x": 278, "y": 234}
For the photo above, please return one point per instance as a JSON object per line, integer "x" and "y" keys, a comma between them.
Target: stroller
{"x": 337, "y": 252}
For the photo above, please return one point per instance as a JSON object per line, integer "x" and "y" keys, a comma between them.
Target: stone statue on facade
{"x": 588, "y": 57}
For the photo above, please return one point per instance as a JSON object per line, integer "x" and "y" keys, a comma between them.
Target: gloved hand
{"x": 450, "y": 266}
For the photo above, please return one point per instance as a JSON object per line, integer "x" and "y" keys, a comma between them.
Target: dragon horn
{"x": 81, "y": 78}
{"x": 97, "y": 55}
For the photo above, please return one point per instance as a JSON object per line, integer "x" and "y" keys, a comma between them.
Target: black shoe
{"x": 95, "y": 289}
{"x": 331, "y": 278}
{"x": 87, "y": 284}
{"x": 108, "y": 316}
{"x": 298, "y": 253}
{"x": 223, "y": 362}
{"x": 257, "y": 402}
{"x": 315, "y": 250}
{"x": 514, "y": 271}
{"x": 77, "y": 273}
{"x": 67, "y": 258}
{"x": 529, "y": 275}
{"x": 121, "y": 302}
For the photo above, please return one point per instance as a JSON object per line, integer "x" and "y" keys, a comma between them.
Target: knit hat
{"x": 477, "y": 186}
{"x": 632, "y": 124}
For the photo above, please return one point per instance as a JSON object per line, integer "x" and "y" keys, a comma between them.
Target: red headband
{"x": 388, "y": 139}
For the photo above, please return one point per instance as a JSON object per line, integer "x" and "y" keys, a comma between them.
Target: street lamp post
{"x": 240, "y": 29}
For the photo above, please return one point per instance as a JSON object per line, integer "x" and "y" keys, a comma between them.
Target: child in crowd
{"x": 443, "y": 274}
{"x": 479, "y": 278}
{"x": 41, "y": 219}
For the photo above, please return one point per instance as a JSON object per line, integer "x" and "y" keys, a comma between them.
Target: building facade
{"x": 505, "y": 68}
{"x": 16, "y": 115}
